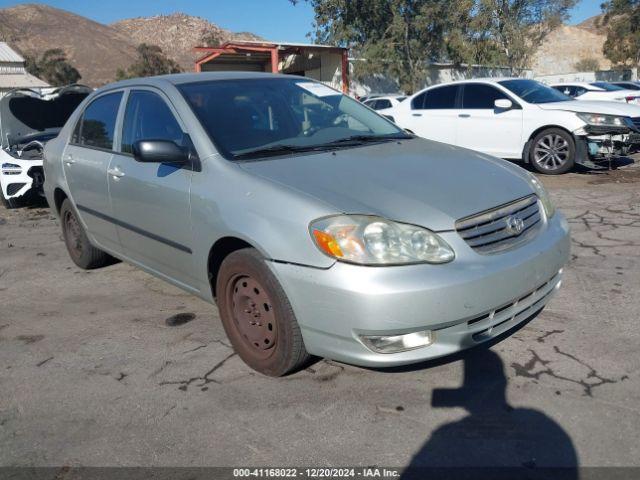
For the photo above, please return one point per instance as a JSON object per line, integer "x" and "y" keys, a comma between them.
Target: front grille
{"x": 13, "y": 188}
{"x": 493, "y": 231}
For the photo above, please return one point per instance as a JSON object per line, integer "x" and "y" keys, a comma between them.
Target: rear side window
{"x": 418, "y": 102}
{"x": 148, "y": 117}
{"x": 481, "y": 96}
{"x": 384, "y": 103}
{"x": 98, "y": 122}
{"x": 441, "y": 98}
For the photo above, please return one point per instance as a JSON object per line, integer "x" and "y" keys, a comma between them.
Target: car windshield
{"x": 255, "y": 118}
{"x": 532, "y": 91}
{"x": 607, "y": 86}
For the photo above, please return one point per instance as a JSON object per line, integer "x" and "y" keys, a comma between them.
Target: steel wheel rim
{"x": 551, "y": 152}
{"x": 253, "y": 316}
{"x": 73, "y": 234}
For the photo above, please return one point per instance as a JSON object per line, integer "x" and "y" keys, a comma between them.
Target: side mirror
{"x": 503, "y": 104}
{"x": 159, "y": 151}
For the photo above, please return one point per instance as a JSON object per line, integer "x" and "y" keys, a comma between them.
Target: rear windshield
{"x": 607, "y": 86}
{"x": 243, "y": 116}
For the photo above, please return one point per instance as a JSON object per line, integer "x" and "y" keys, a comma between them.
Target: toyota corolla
{"x": 316, "y": 225}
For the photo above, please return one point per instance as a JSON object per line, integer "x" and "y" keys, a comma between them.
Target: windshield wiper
{"x": 273, "y": 150}
{"x": 361, "y": 139}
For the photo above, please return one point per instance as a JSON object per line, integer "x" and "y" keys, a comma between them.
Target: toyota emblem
{"x": 515, "y": 224}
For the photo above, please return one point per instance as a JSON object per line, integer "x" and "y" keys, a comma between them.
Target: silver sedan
{"x": 316, "y": 225}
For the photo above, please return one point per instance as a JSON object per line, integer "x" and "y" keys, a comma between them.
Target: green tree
{"x": 587, "y": 64}
{"x": 513, "y": 30}
{"x": 211, "y": 39}
{"x": 396, "y": 37}
{"x": 400, "y": 37}
{"x": 151, "y": 61}
{"x": 52, "y": 67}
{"x": 622, "y": 18}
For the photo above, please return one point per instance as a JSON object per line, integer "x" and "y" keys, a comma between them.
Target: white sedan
{"x": 384, "y": 104}
{"x": 598, "y": 91}
{"x": 521, "y": 119}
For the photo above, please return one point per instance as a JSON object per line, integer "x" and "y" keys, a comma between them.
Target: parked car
{"x": 320, "y": 227}
{"x": 28, "y": 119}
{"x": 629, "y": 85}
{"x": 598, "y": 91}
{"x": 383, "y": 105}
{"x": 521, "y": 119}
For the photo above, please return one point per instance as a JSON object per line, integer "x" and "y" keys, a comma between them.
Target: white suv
{"x": 517, "y": 118}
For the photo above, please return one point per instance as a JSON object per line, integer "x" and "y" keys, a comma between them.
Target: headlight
{"x": 603, "y": 120}
{"x": 370, "y": 240}
{"x": 11, "y": 168}
{"x": 541, "y": 192}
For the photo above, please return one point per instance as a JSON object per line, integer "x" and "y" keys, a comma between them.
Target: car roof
{"x": 487, "y": 80}
{"x": 577, "y": 84}
{"x": 181, "y": 78}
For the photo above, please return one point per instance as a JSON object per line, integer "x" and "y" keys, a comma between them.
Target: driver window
{"x": 148, "y": 118}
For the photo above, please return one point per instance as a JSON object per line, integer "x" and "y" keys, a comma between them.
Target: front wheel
{"x": 257, "y": 316}
{"x": 9, "y": 203}
{"x": 553, "y": 151}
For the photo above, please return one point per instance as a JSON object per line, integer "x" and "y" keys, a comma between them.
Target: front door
{"x": 86, "y": 160}
{"x": 151, "y": 200}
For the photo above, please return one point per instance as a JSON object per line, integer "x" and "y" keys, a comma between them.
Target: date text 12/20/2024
{"x": 362, "y": 472}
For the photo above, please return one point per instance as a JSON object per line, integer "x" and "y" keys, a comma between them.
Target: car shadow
{"x": 616, "y": 163}
{"x": 494, "y": 439}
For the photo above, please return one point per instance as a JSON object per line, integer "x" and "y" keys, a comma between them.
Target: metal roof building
{"x": 12, "y": 72}
{"x": 327, "y": 64}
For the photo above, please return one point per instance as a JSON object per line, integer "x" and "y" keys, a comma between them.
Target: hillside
{"x": 176, "y": 34}
{"x": 568, "y": 44}
{"x": 98, "y": 50}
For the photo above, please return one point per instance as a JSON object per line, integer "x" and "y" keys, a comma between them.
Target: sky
{"x": 276, "y": 20}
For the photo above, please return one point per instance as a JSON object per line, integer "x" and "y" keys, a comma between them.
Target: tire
{"x": 257, "y": 315}
{"x": 553, "y": 151}
{"x": 80, "y": 250}
{"x": 9, "y": 203}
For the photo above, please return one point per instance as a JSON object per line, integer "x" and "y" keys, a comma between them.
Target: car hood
{"x": 26, "y": 114}
{"x": 414, "y": 181}
{"x": 594, "y": 106}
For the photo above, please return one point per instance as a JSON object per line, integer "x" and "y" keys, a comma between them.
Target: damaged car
{"x": 522, "y": 119}
{"x": 316, "y": 225}
{"x": 29, "y": 119}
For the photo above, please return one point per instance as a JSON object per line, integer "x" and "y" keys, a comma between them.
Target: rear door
{"x": 151, "y": 200}
{"x": 433, "y": 114}
{"x": 86, "y": 159}
{"x": 488, "y": 129}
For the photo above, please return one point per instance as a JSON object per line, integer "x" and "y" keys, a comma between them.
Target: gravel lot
{"x": 114, "y": 367}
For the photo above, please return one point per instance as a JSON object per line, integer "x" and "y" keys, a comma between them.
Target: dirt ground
{"x": 113, "y": 367}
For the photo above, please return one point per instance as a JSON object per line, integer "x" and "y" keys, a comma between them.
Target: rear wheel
{"x": 80, "y": 249}
{"x": 553, "y": 151}
{"x": 257, "y": 315}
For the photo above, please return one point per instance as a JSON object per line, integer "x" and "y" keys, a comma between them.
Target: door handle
{"x": 464, "y": 115}
{"x": 68, "y": 159}
{"x": 416, "y": 114}
{"x": 116, "y": 172}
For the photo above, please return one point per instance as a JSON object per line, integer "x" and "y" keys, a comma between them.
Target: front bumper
{"x": 465, "y": 302}
{"x": 26, "y": 177}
